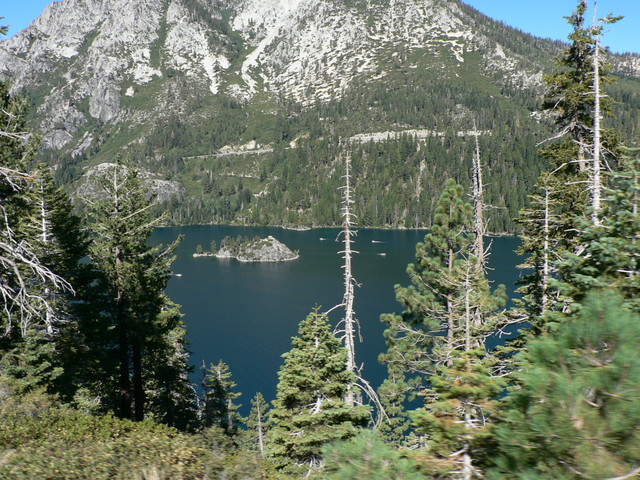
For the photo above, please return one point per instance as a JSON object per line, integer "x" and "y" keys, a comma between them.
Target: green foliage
{"x": 309, "y": 411}
{"x": 458, "y": 416}
{"x": 235, "y": 245}
{"x": 436, "y": 348}
{"x": 131, "y": 319}
{"x": 41, "y": 240}
{"x": 40, "y": 440}
{"x": 218, "y": 399}
{"x": 257, "y": 423}
{"x": 410, "y": 336}
{"x": 367, "y": 457}
{"x": 18, "y": 216}
{"x": 575, "y": 414}
{"x": 555, "y": 221}
{"x": 610, "y": 256}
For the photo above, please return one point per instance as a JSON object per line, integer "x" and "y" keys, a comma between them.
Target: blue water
{"x": 246, "y": 313}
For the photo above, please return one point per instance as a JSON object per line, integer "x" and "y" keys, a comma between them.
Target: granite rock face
{"x": 161, "y": 190}
{"x": 91, "y": 64}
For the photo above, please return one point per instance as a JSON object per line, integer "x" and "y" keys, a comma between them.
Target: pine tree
{"x": 417, "y": 339}
{"x": 611, "y": 252}
{"x": 257, "y": 424}
{"x": 571, "y": 192}
{"x": 170, "y": 396}
{"x": 450, "y": 311}
{"x": 61, "y": 242}
{"x": 129, "y": 297}
{"x": 461, "y": 399}
{"x": 458, "y": 416}
{"x": 219, "y": 408}
{"x": 575, "y": 413}
{"x": 310, "y": 411}
{"x": 23, "y": 275}
{"x": 367, "y": 457}
{"x": 31, "y": 285}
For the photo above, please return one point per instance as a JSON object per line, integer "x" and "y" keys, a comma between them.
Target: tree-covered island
{"x": 243, "y": 249}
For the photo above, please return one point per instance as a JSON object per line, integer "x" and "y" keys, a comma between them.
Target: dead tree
{"x": 23, "y": 277}
{"x": 478, "y": 206}
{"x": 349, "y": 322}
{"x": 596, "y": 181}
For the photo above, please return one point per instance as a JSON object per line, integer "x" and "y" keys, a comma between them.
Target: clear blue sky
{"x": 543, "y": 18}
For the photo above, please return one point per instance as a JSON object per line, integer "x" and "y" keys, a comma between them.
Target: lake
{"x": 246, "y": 313}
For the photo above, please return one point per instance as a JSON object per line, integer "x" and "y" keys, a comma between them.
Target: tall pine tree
{"x": 34, "y": 227}
{"x": 219, "y": 407}
{"x": 310, "y": 410}
{"x": 130, "y": 305}
{"x": 571, "y": 191}
{"x": 575, "y": 412}
{"x": 450, "y": 311}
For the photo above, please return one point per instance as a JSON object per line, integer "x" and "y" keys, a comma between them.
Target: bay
{"x": 246, "y": 313}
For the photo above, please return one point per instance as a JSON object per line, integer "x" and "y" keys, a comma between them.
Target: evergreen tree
{"x": 219, "y": 408}
{"x": 62, "y": 244}
{"x": 568, "y": 191}
{"x": 450, "y": 311}
{"x": 129, "y": 297}
{"x": 458, "y": 416}
{"x": 310, "y": 409}
{"x": 23, "y": 275}
{"x": 611, "y": 249}
{"x": 417, "y": 338}
{"x": 367, "y": 457}
{"x": 575, "y": 413}
{"x": 33, "y": 255}
{"x": 170, "y": 396}
{"x": 257, "y": 423}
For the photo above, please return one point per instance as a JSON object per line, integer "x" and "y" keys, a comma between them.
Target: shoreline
{"x": 215, "y": 255}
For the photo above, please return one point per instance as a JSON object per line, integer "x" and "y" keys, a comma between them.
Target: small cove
{"x": 246, "y": 313}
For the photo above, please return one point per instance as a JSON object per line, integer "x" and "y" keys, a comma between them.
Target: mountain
{"x": 247, "y": 105}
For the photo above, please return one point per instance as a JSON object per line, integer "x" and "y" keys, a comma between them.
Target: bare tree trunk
{"x": 546, "y": 263}
{"x": 478, "y": 207}
{"x": 138, "y": 388}
{"x": 349, "y": 314}
{"x": 467, "y": 465}
{"x": 123, "y": 355}
{"x": 44, "y": 218}
{"x": 596, "y": 180}
{"x": 260, "y": 432}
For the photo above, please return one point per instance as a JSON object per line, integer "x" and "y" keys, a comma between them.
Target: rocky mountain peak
{"x": 81, "y": 58}
{"x": 183, "y": 85}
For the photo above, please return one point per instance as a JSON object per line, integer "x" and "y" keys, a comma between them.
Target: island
{"x": 243, "y": 249}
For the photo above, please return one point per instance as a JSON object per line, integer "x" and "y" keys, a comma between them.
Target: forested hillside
{"x": 94, "y": 366}
{"x": 243, "y": 108}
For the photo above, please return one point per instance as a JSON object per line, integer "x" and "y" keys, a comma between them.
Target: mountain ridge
{"x": 145, "y": 75}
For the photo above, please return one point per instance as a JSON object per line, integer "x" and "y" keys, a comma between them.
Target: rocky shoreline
{"x": 267, "y": 249}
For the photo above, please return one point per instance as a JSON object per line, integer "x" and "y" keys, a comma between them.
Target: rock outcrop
{"x": 259, "y": 250}
{"x": 162, "y": 190}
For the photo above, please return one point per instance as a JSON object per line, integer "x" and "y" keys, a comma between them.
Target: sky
{"x": 543, "y": 18}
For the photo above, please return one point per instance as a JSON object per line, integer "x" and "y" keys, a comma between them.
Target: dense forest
{"x": 94, "y": 367}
